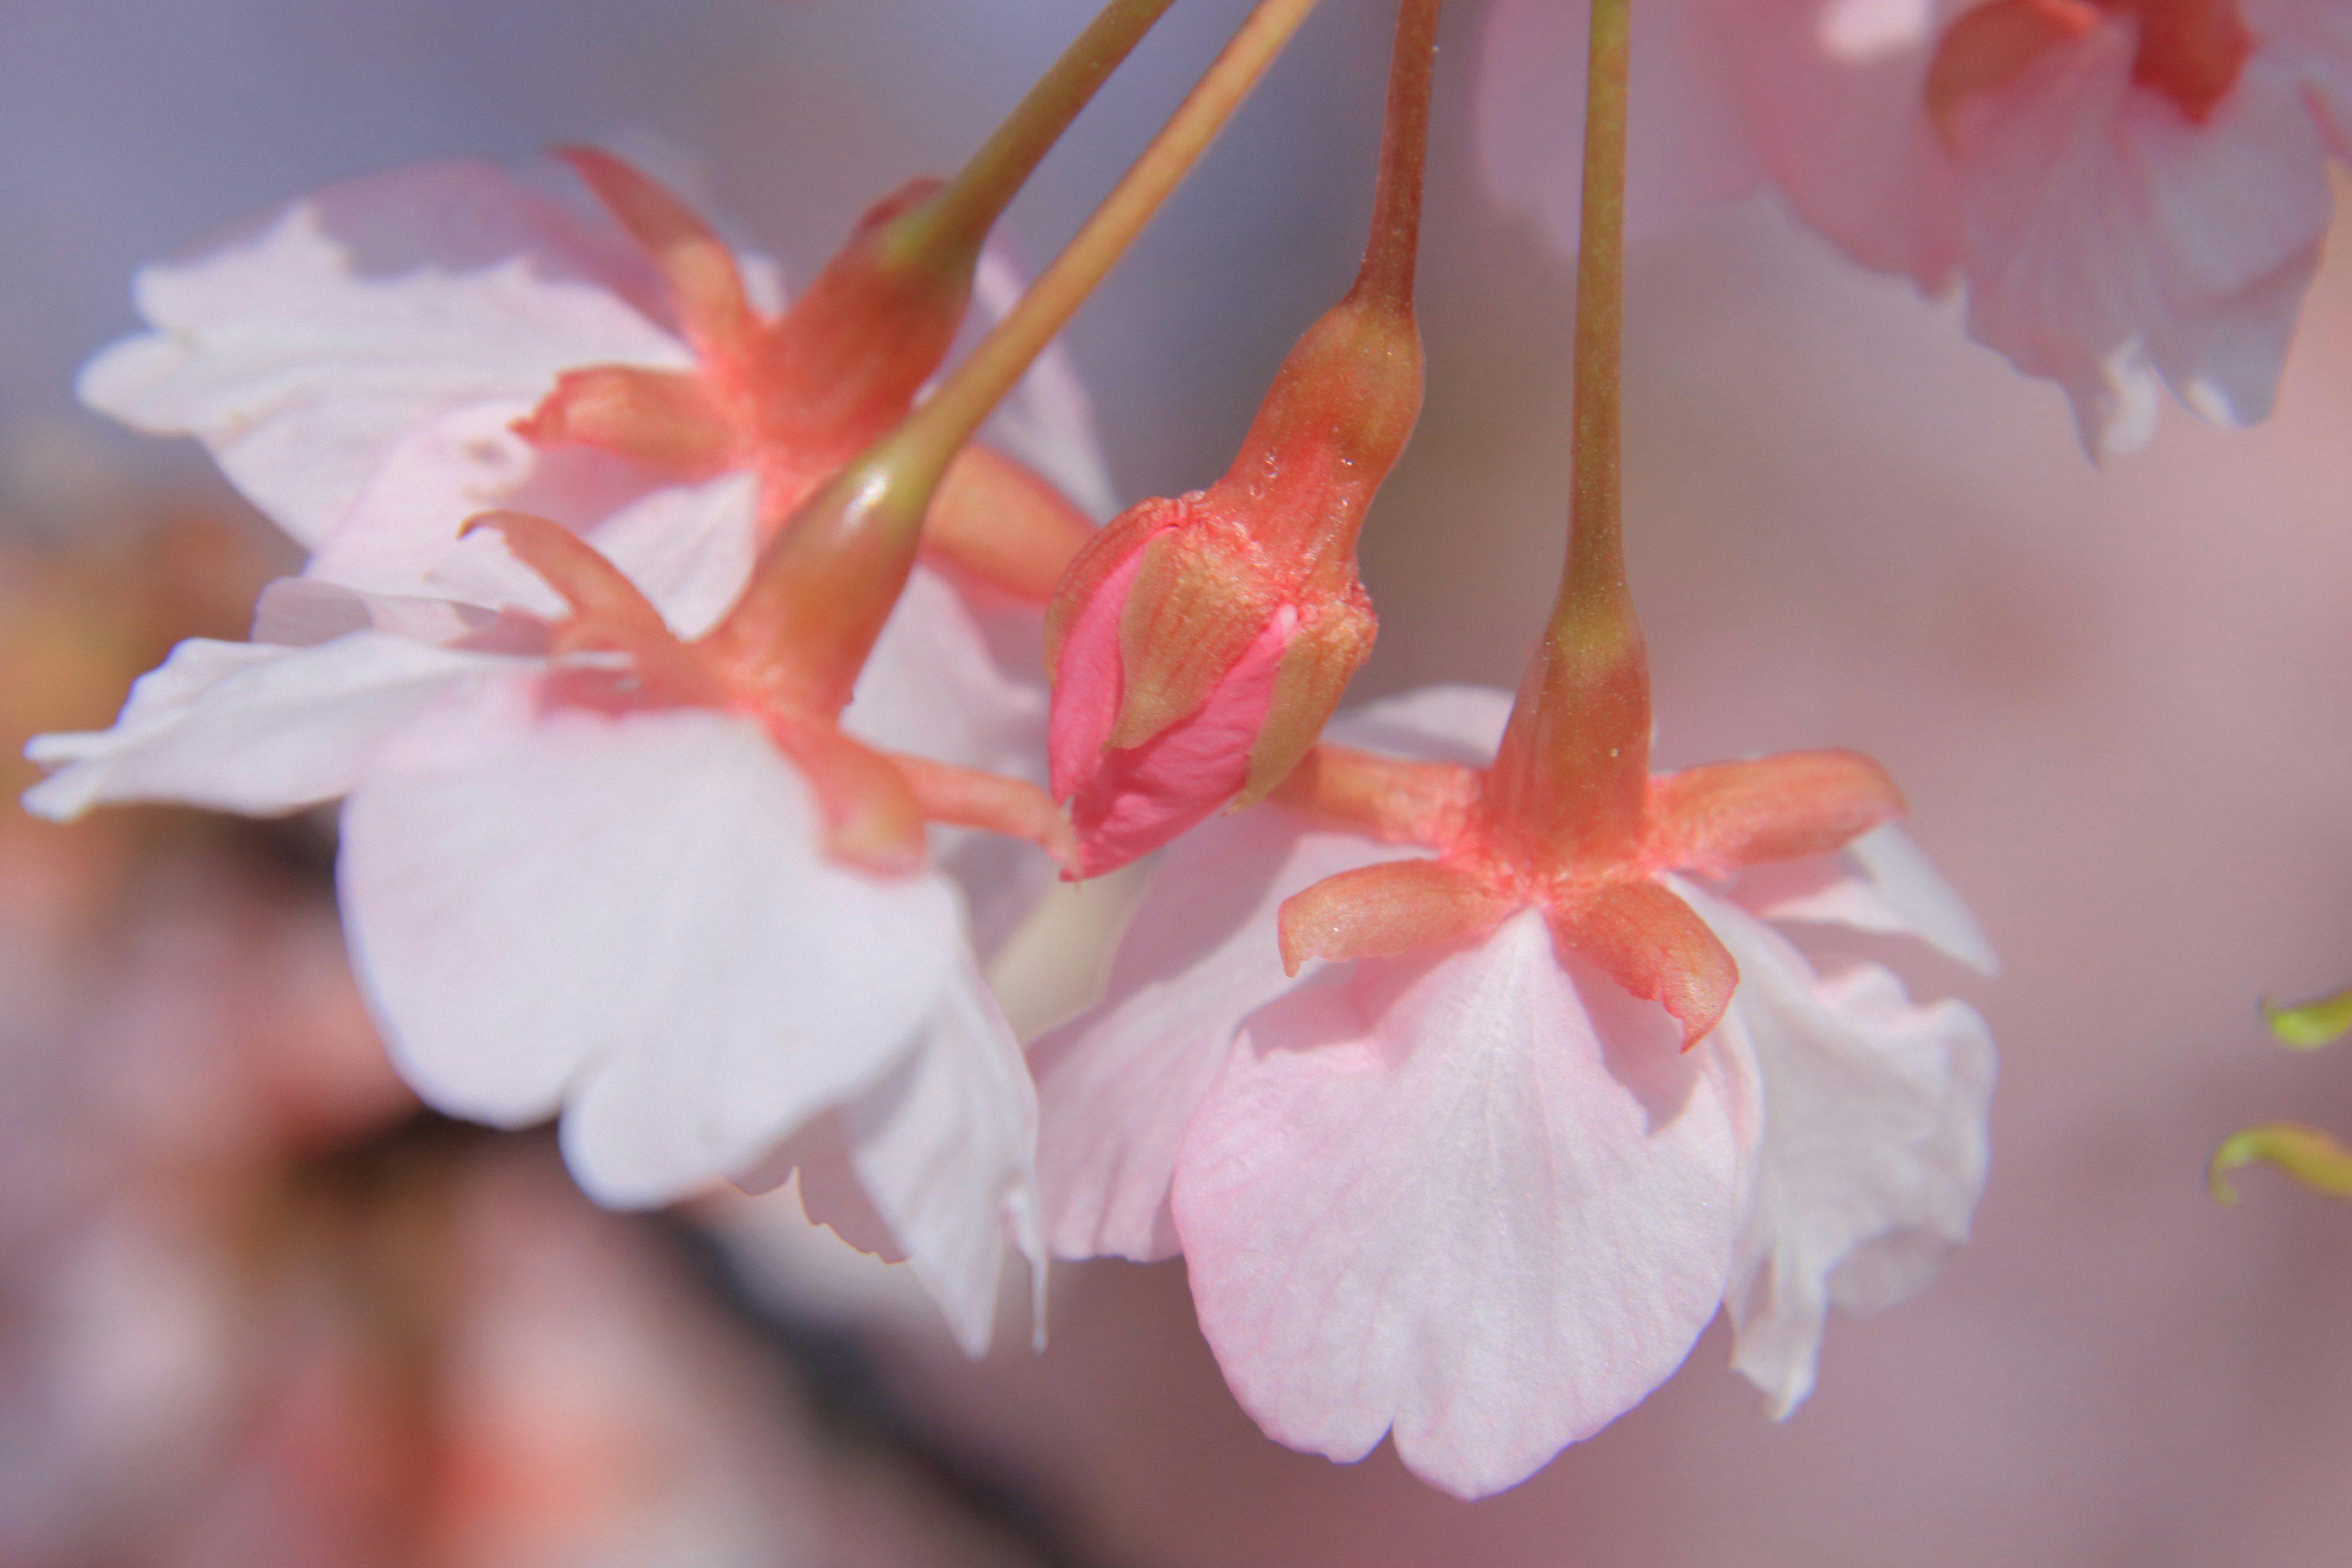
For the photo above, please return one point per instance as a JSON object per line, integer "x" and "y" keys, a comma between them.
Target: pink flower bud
{"x": 1198, "y": 643}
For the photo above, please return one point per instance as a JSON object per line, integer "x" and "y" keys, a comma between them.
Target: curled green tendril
{"x": 2310, "y": 1025}
{"x": 2308, "y": 1156}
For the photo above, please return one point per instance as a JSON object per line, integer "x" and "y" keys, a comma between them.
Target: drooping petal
{"x": 630, "y": 914}
{"x": 1119, "y": 1085}
{"x": 251, "y": 726}
{"x": 1874, "y": 1150}
{"x": 1476, "y": 1198}
{"x": 1899, "y": 892}
{"x": 945, "y": 1147}
{"x": 301, "y": 346}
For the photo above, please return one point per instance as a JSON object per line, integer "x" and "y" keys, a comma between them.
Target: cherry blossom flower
{"x": 553, "y": 862}
{"x": 1473, "y": 1194}
{"x": 365, "y": 361}
{"x": 2133, "y": 192}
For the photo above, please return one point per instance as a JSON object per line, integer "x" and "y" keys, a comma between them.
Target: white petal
{"x": 689, "y": 548}
{"x": 301, "y": 346}
{"x": 1477, "y": 1197}
{"x": 630, "y": 914}
{"x": 1899, "y": 892}
{"x": 938, "y": 685}
{"x": 250, "y": 727}
{"x": 1874, "y": 1152}
{"x": 946, "y": 1148}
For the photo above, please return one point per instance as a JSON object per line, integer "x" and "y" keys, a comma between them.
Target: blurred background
{"x": 256, "y": 1309}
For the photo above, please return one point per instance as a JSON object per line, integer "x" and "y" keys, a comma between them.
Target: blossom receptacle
{"x": 1199, "y": 642}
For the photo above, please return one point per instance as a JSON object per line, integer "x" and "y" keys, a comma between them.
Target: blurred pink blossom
{"x": 2134, "y": 193}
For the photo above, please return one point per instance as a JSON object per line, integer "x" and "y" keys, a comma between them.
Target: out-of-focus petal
{"x": 558, "y": 904}
{"x": 302, "y": 345}
{"x": 250, "y": 727}
{"x": 2108, "y": 237}
{"x": 1873, "y": 1151}
{"x": 1899, "y": 892}
{"x": 945, "y": 1147}
{"x": 1476, "y": 1197}
{"x": 1832, "y": 94}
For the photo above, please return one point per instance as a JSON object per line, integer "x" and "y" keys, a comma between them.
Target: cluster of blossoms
{"x": 682, "y": 671}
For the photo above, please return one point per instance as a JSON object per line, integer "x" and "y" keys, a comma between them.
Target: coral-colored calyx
{"x": 874, "y": 806}
{"x": 1614, "y": 908}
{"x": 790, "y": 397}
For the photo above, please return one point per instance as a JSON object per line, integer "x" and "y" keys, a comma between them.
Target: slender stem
{"x": 957, "y": 219}
{"x": 1395, "y": 243}
{"x": 981, "y": 381}
{"x": 1572, "y": 777}
{"x": 1595, "y": 574}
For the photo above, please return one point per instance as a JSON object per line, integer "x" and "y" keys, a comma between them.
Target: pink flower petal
{"x": 251, "y": 726}
{"x": 1477, "y": 1198}
{"x": 1119, "y": 1084}
{"x": 552, "y": 905}
{"x": 302, "y": 345}
{"x": 1873, "y": 1151}
{"x": 1203, "y": 952}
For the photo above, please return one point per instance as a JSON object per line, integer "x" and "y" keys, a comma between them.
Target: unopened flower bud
{"x": 1199, "y": 644}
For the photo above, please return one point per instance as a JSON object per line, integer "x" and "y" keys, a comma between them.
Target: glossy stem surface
{"x": 827, "y": 581}
{"x": 1573, "y": 773}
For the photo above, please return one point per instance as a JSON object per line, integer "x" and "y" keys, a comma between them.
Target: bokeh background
{"x": 257, "y": 1309}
